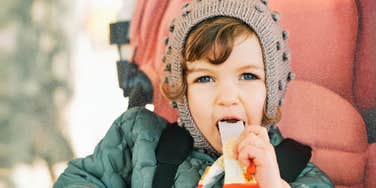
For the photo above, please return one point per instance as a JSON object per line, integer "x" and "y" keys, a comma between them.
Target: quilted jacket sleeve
{"x": 312, "y": 177}
{"x": 111, "y": 164}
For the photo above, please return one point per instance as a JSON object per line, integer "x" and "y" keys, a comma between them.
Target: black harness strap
{"x": 176, "y": 143}
{"x": 292, "y": 158}
{"x": 174, "y": 146}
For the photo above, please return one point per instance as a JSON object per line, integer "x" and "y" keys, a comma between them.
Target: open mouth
{"x": 229, "y": 120}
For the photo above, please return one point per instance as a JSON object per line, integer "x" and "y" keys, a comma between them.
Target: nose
{"x": 227, "y": 94}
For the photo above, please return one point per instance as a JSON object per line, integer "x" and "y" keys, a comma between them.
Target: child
{"x": 225, "y": 60}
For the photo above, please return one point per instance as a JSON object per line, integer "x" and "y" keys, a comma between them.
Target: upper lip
{"x": 228, "y": 117}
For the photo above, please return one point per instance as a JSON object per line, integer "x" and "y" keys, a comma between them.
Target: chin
{"x": 218, "y": 147}
{"x": 220, "y": 151}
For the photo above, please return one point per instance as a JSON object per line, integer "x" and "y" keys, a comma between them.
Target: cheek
{"x": 260, "y": 97}
{"x": 196, "y": 101}
{"x": 201, "y": 106}
{"x": 255, "y": 100}
{"x": 255, "y": 94}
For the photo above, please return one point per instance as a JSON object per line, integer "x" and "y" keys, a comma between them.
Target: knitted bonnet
{"x": 265, "y": 24}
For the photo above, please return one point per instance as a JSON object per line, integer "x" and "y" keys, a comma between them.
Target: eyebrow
{"x": 251, "y": 67}
{"x": 208, "y": 70}
{"x": 197, "y": 70}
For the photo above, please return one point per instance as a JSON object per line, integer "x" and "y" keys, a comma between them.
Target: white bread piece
{"x": 212, "y": 172}
{"x": 230, "y": 132}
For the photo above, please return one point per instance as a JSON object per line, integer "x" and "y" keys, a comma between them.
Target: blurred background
{"x": 58, "y": 89}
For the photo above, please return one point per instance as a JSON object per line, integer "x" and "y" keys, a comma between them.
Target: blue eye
{"x": 248, "y": 76}
{"x": 204, "y": 79}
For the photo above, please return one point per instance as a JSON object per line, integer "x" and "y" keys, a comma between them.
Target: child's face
{"x": 234, "y": 89}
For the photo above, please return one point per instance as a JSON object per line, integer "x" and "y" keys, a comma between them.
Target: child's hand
{"x": 253, "y": 144}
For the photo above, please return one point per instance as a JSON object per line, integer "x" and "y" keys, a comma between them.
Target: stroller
{"x": 339, "y": 96}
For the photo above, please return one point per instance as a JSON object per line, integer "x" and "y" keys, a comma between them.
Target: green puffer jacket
{"x": 125, "y": 157}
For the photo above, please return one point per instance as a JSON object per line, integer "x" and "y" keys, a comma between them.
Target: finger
{"x": 241, "y": 139}
{"x": 258, "y": 130}
{"x": 254, "y": 130}
{"x": 250, "y": 153}
{"x": 253, "y": 140}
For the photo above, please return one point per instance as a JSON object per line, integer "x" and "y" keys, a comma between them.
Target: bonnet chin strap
{"x": 175, "y": 144}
